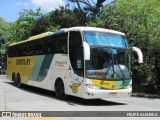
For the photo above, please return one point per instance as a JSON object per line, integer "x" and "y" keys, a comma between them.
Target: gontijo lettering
{"x": 23, "y": 62}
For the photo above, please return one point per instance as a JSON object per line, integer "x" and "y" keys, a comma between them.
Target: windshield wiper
{"x": 121, "y": 72}
{"x": 123, "y": 76}
{"x": 108, "y": 68}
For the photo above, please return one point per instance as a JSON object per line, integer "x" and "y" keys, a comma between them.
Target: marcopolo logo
{"x": 23, "y": 62}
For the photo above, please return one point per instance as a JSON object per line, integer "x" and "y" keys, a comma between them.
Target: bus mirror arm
{"x": 86, "y": 51}
{"x": 139, "y": 53}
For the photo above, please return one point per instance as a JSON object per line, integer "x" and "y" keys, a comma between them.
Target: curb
{"x": 145, "y": 95}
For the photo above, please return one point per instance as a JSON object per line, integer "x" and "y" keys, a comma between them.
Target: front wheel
{"x": 59, "y": 89}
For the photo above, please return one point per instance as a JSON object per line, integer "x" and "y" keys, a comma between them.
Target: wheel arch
{"x": 64, "y": 82}
{"x": 13, "y": 76}
{"x": 19, "y": 76}
{"x": 57, "y": 80}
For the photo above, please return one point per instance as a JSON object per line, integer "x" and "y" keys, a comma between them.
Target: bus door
{"x": 76, "y": 69}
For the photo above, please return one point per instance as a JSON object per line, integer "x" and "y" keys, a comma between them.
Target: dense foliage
{"x": 4, "y": 27}
{"x": 138, "y": 19}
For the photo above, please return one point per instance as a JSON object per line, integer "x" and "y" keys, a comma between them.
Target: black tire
{"x": 14, "y": 79}
{"x": 59, "y": 89}
{"x": 18, "y": 81}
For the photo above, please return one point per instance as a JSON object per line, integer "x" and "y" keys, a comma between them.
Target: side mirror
{"x": 86, "y": 51}
{"x": 139, "y": 53}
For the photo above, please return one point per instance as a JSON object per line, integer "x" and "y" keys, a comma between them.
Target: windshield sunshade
{"x": 106, "y": 39}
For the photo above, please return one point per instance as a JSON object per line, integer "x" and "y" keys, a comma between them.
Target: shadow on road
{"x": 91, "y": 102}
{"x": 71, "y": 100}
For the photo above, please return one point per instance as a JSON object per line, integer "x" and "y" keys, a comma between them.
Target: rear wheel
{"x": 18, "y": 79}
{"x": 59, "y": 89}
{"x": 14, "y": 78}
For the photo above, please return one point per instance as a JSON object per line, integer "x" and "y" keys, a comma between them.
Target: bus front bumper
{"x": 101, "y": 93}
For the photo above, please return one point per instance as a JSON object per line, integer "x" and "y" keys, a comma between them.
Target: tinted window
{"x": 76, "y": 53}
{"x": 48, "y": 45}
{"x": 61, "y": 43}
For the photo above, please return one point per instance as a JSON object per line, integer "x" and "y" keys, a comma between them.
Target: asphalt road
{"x": 29, "y": 98}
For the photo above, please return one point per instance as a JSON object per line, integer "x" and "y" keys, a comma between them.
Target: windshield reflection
{"x": 108, "y": 63}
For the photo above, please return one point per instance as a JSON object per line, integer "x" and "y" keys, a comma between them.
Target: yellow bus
{"x": 86, "y": 62}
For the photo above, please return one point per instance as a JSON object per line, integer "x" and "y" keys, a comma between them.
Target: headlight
{"x": 93, "y": 87}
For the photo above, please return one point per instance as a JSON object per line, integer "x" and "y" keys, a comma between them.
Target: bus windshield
{"x": 108, "y": 63}
{"x": 106, "y": 39}
{"x": 109, "y": 56}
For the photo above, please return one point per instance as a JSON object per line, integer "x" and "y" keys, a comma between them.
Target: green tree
{"x": 17, "y": 31}
{"x": 21, "y": 29}
{"x": 90, "y": 7}
{"x": 3, "y": 39}
{"x": 139, "y": 19}
{"x": 57, "y": 19}
{"x": 67, "y": 18}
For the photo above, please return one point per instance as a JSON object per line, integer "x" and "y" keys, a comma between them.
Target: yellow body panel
{"x": 106, "y": 84}
{"x": 22, "y": 65}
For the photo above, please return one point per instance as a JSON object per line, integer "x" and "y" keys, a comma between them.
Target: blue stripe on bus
{"x": 44, "y": 67}
{"x": 55, "y": 33}
{"x": 37, "y": 66}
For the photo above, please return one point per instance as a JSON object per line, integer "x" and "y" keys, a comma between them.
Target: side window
{"x": 31, "y": 50}
{"x": 49, "y": 45}
{"x": 61, "y": 43}
{"x": 38, "y": 46}
{"x": 35, "y": 47}
{"x": 11, "y": 51}
{"x": 76, "y": 52}
{"x": 21, "y": 50}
